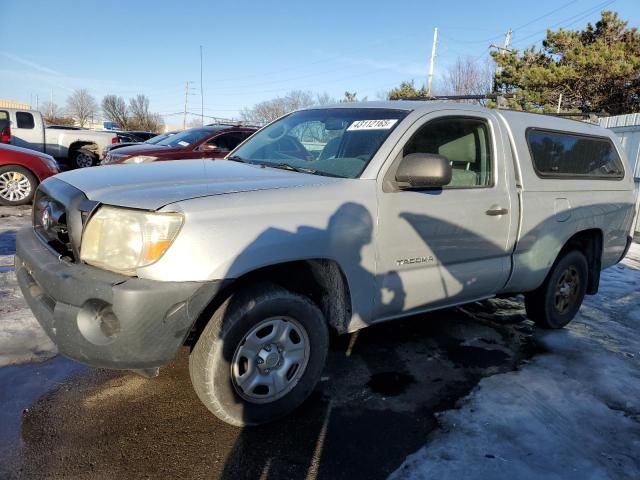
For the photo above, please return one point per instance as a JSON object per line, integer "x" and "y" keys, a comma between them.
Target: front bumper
{"x": 102, "y": 318}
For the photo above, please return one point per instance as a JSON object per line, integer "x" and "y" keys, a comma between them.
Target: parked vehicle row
{"x": 80, "y": 148}
{"x": 150, "y": 141}
{"x": 213, "y": 141}
{"x": 334, "y": 217}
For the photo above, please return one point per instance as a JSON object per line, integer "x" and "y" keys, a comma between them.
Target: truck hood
{"x": 151, "y": 186}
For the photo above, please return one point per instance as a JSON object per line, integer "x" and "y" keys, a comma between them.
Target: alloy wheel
{"x": 14, "y": 186}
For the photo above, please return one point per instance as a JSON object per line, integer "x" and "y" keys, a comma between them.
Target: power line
{"x": 573, "y": 19}
{"x": 545, "y": 15}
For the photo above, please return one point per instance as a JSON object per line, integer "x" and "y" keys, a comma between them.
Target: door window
{"x": 25, "y": 120}
{"x": 565, "y": 155}
{"x": 227, "y": 141}
{"x": 465, "y": 142}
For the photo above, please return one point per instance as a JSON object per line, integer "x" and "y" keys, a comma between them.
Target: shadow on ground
{"x": 377, "y": 402}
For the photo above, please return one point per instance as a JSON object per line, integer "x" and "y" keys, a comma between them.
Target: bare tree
{"x": 467, "y": 77}
{"x": 114, "y": 108}
{"x": 141, "y": 118}
{"x": 50, "y": 110}
{"x": 269, "y": 110}
{"x": 81, "y": 106}
{"x": 324, "y": 99}
{"x": 195, "y": 122}
{"x": 53, "y": 114}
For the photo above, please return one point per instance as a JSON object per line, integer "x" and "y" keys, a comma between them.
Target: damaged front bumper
{"x": 102, "y": 318}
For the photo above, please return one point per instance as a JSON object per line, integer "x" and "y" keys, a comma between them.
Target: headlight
{"x": 140, "y": 159}
{"x": 122, "y": 240}
{"x": 52, "y": 165}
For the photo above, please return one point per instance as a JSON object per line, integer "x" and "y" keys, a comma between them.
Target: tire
{"x": 83, "y": 158}
{"x": 554, "y": 304}
{"x": 251, "y": 317}
{"x": 17, "y": 185}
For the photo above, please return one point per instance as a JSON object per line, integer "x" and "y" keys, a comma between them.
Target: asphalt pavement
{"x": 378, "y": 401}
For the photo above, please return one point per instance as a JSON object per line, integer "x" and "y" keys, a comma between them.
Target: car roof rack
{"x": 498, "y": 97}
{"x": 484, "y": 96}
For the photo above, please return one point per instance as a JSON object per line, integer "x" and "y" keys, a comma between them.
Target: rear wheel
{"x": 17, "y": 185}
{"x": 83, "y": 158}
{"x": 260, "y": 355}
{"x": 558, "y": 299}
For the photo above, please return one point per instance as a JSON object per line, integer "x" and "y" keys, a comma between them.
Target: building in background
{"x": 627, "y": 128}
{"x": 12, "y": 104}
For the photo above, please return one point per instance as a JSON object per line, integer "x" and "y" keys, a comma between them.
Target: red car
{"x": 21, "y": 170}
{"x": 211, "y": 141}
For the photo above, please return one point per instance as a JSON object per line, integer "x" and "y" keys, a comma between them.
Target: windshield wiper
{"x": 236, "y": 158}
{"x": 286, "y": 166}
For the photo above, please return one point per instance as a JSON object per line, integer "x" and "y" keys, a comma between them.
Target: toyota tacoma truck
{"x": 333, "y": 217}
{"x": 72, "y": 145}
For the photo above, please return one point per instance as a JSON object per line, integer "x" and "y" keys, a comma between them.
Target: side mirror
{"x": 211, "y": 147}
{"x": 423, "y": 170}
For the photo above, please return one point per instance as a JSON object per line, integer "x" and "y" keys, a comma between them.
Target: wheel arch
{"x": 26, "y": 167}
{"x": 321, "y": 280}
{"x": 590, "y": 243}
{"x": 78, "y": 144}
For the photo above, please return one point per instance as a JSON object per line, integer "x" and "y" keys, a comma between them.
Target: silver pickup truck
{"x": 329, "y": 218}
{"x": 75, "y": 146}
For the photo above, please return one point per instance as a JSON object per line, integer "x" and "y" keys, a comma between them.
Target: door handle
{"x": 497, "y": 211}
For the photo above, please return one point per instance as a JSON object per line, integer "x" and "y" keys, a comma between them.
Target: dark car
{"x": 213, "y": 141}
{"x": 141, "y": 134}
{"x": 21, "y": 170}
{"x": 128, "y": 137}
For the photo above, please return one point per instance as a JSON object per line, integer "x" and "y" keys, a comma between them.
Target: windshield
{"x": 158, "y": 138}
{"x": 185, "y": 138}
{"x": 337, "y": 142}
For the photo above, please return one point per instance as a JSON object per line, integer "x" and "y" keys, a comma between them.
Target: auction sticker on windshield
{"x": 382, "y": 124}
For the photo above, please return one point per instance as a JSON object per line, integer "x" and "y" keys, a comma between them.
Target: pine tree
{"x": 596, "y": 70}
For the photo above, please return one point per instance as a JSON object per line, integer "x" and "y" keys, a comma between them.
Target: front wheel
{"x": 558, "y": 299}
{"x": 17, "y": 185}
{"x": 260, "y": 355}
{"x": 83, "y": 158}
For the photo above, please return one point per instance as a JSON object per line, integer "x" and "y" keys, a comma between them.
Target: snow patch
{"x": 22, "y": 339}
{"x": 571, "y": 413}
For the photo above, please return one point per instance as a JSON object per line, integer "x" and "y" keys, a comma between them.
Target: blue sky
{"x": 255, "y": 51}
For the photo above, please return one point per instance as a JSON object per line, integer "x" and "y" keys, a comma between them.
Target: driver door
{"x": 446, "y": 245}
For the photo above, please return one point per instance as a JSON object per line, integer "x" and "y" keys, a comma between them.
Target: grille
{"x": 50, "y": 223}
{"x": 59, "y": 214}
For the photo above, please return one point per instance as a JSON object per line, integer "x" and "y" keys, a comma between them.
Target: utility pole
{"x": 507, "y": 40}
{"x": 433, "y": 57}
{"x": 502, "y": 49}
{"x": 186, "y": 97}
{"x": 201, "y": 91}
{"x": 505, "y": 47}
{"x": 559, "y": 103}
